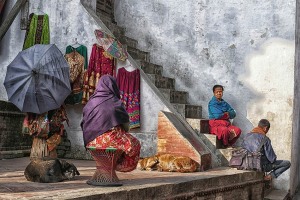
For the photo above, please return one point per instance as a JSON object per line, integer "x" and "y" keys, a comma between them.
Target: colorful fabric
{"x": 77, "y": 87}
{"x": 111, "y": 45}
{"x": 100, "y": 64}
{"x": 120, "y": 139}
{"x": 47, "y": 130}
{"x": 216, "y": 109}
{"x": 223, "y": 130}
{"x": 129, "y": 85}
{"x": 82, "y": 50}
{"x": 38, "y": 31}
{"x": 104, "y": 110}
{"x": 76, "y": 63}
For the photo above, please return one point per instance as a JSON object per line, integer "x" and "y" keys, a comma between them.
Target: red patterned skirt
{"x": 118, "y": 138}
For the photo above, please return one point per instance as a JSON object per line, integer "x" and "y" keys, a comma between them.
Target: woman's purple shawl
{"x": 104, "y": 110}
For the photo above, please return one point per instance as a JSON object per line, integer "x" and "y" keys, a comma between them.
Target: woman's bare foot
{"x": 232, "y": 134}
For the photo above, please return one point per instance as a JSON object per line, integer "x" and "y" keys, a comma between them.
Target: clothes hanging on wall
{"x": 37, "y": 31}
{"x": 129, "y": 85}
{"x": 77, "y": 59}
{"x": 100, "y": 63}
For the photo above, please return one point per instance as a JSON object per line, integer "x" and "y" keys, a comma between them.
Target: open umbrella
{"x": 111, "y": 45}
{"x": 37, "y": 80}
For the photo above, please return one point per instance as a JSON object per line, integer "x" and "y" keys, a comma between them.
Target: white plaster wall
{"x": 247, "y": 46}
{"x": 270, "y": 72}
{"x": 69, "y": 20}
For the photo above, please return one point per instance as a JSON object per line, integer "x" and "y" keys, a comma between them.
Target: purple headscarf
{"x": 104, "y": 110}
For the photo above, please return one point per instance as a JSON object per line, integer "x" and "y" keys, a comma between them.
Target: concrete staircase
{"x": 179, "y": 99}
{"x": 166, "y": 85}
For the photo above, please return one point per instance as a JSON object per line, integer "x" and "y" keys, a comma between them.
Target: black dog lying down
{"x": 50, "y": 171}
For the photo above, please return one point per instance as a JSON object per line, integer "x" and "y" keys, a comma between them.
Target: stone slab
{"x": 277, "y": 195}
{"x": 136, "y": 184}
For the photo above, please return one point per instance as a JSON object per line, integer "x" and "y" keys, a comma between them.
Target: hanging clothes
{"x": 76, "y": 63}
{"x": 82, "y": 50}
{"x": 46, "y": 129}
{"x": 129, "y": 85}
{"x": 100, "y": 63}
{"x": 37, "y": 31}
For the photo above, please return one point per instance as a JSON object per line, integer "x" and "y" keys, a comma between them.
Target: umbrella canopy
{"x": 111, "y": 45}
{"x": 38, "y": 79}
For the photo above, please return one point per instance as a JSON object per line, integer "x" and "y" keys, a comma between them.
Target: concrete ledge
{"x": 219, "y": 183}
{"x": 14, "y": 154}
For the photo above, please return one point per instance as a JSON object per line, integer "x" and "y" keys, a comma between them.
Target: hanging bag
{"x": 242, "y": 159}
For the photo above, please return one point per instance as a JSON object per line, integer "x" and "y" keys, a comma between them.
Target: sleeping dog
{"x": 50, "y": 171}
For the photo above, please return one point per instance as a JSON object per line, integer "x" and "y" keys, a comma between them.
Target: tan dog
{"x": 148, "y": 163}
{"x": 168, "y": 163}
{"x": 172, "y": 163}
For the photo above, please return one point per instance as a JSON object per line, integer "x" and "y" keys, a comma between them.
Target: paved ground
{"x": 13, "y": 184}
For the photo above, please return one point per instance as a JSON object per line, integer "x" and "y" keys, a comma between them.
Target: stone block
{"x": 162, "y": 82}
{"x": 150, "y": 68}
{"x": 199, "y": 125}
{"x": 174, "y": 96}
{"x": 124, "y": 40}
{"x": 138, "y": 54}
{"x": 193, "y": 111}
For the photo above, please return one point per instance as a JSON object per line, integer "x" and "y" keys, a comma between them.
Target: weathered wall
{"x": 247, "y": 46}
{"x": 295, "y": 173}
{"x": 69, "y": 20}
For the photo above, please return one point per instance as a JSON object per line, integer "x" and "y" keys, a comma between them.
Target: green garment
{"x": 82, "y": 50}
{"x": 38, "y": 31}
{"x": 76, "y": 98}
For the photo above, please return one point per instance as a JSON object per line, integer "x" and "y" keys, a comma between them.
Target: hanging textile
{"x": 76, "y": 63}
{"x": 47, "y": 129}
{"x": 37, "y": 31}
{"x": 129, "y": 85}
{"x": 100, "y": 63}
{"x": 79, "y": 59}
{"x": 82, "y": 50}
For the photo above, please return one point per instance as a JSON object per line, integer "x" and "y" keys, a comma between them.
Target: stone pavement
{"x": 136, "y": 184}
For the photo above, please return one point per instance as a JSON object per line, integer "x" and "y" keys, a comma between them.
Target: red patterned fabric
{"x": 100, "y": 63}
{"x": 118, "y": 138}
{"x": 129, "y": 85}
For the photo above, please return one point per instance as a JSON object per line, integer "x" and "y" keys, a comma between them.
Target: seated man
{"x": 219, "y": 114}
{"x": 268, "y": 160}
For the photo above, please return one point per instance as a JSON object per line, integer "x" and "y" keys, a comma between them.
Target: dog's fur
{"x": 148, "y": 163}
{"x": 50, "y": 171}
{"x": 168, "y": 163}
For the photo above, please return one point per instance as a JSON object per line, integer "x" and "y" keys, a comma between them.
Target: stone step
{"x": 188, "y": 111}
{"x": 116, "y": 30}
{"x": 150, "y": 68}
{"x": 216, "y": 148}
{"x": 14, "y": 154}
{"x": 215, "y": 184}
{"x": 128, "y": 41}
{"x": 277, "y": 195}
{"x": 162, "y": 82}
{"x": 200, "y": 125}
{"x": 138, "y": 54}
{"x": 174, "y": 96}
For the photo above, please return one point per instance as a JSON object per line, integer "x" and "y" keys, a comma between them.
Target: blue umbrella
{"x": 38, "y": 79}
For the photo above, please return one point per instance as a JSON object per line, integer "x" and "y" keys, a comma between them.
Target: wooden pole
{"x": 11, "y": 17}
